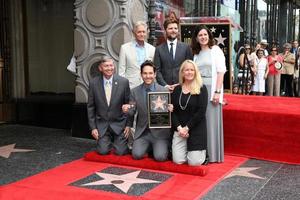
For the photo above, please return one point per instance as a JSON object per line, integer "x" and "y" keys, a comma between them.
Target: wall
{"x": 50, "y": 45}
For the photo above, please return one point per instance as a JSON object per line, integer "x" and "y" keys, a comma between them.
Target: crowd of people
{"x": 192, "y": 74}
{"x": 265, "y": 71}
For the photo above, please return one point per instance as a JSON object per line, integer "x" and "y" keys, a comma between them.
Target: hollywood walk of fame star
{"x": 213, "y": 29}
{"x": 159, "y": 103}
{"x": 5, "y": 151}
{"x": 220, "y": 39}
{"x": 123, "y": 182}
{"x": 244, "y": 171}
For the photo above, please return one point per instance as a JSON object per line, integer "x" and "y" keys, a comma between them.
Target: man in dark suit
{"x": 146, "y": 138}
{"x": 106, "y": 119}
{"x": 170, "y": 55}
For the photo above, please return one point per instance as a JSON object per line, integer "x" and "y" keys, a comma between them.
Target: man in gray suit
{"x": 146, "y": 138}
{"x": 106, "y": 119}
{"x": 134, "y": 53}
{"x": 170, "y": 55}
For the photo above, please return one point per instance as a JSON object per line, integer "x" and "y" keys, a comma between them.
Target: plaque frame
{"x": 161, "y": 113}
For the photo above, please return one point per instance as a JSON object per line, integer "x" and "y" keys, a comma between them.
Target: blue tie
{"x": 147, "y": 90}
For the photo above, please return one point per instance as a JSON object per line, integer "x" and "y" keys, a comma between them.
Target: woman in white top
{"x": 261, "y": 73}
{"x": 210, "y": 60}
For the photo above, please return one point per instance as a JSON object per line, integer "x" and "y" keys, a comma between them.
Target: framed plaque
{"x": 158, "y": 113}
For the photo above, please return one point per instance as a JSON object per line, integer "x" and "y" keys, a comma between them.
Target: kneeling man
{"x": 107, "y": 93}
{"x": 146, "y": 138}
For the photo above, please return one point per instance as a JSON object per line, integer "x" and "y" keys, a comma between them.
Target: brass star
{"x": 123, "y": 182}
{"x": 244, "y": 171}
{"x": 159, "y": 103}
{"x": 5, "y": 151}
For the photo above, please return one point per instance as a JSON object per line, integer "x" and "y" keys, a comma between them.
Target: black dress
{"x": 193, "y": 116}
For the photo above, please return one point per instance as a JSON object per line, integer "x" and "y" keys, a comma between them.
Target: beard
{"x": 171, "y": 38}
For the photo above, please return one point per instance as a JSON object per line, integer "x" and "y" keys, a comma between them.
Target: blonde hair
{"x": 197, "y": 83}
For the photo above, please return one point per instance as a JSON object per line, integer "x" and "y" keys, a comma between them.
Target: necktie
{"x": 107, "y": 89}
{"x": 146, "y": 94}
{"x": 171, "y": 50}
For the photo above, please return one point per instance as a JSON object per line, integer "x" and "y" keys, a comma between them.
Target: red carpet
{"x": 147, "y": 163}
{"x": 55, "y": 183}
{"x": 263, "y": 127}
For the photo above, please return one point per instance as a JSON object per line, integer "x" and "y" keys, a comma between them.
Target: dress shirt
{"x": 140, "y": 52}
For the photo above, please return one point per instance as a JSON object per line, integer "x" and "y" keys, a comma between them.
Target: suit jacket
{"x": 167, "y": 67}
{"x": 141, "y": 108}
{"x": 128, "y": 65}
{"x": 288, "y": 64}
{"x": 100, "y": 114}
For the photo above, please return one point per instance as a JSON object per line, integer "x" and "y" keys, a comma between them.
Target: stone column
{"x": 283, "y": 30}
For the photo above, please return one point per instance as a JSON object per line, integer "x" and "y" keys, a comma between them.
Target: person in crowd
{"x": 247, "y": 68}
{"x": 235, "y": 62}
{"x": 264, "y": 45}
{"x": 146, "y": 138}
{"x": 189, "y": 117}
{"x": 295, "y": 51}
{"x": 210, "y": 61}
{"x": 297, "y": 72}
{"x": 106, "y": 119}
{"x": 134, "y": 53}
{"x": 262, "y": 71}
{"x": 235, "y": 89}
{"x": 170, "y": 55}
{"x": 288, "y": 70}
{"x": 274, "y": 73}
{"x": 257, "y": 47}
{"x": 294, "y": 48}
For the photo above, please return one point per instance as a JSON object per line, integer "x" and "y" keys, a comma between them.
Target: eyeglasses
{"x": 274, "y": 49}
{"x": 247, "y": 48}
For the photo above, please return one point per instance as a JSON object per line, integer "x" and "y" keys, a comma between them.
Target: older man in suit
{"x": 146, "y": 138}
{"x": 106, "y": 119}
{"x": 170, "y": 55}
{"x": 134, "y": 53}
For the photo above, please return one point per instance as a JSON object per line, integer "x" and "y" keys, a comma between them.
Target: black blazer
{"x": 193, "y": 117}
{"x": 167, "y": 67}
{"x": 100, "y": 115}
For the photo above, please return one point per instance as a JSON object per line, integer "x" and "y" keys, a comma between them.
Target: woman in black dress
{"x": 188, "y": 118}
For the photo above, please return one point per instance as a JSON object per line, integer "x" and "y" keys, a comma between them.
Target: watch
{"x": 218, "y": 91}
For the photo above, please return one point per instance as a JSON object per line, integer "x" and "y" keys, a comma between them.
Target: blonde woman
{"x": 188, "y": 118}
